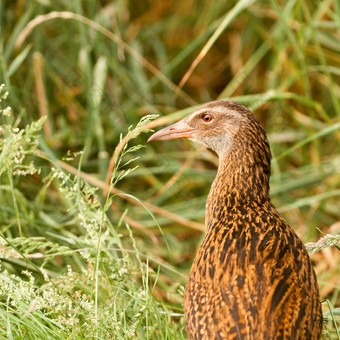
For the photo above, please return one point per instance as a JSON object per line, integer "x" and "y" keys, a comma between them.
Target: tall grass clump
{"x": 91, "y": 248}
{"x": 104, "y": 289}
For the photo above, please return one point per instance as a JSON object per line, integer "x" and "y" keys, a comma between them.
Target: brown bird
{"x": 252, "y": 277}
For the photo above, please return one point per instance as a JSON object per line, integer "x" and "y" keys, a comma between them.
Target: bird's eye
{"x": 207, "y": 118}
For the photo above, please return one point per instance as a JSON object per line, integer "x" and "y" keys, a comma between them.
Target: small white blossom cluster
{"x": 7, "y": 111}
{"x": 15, "y": 147}
{"x": 84, "y": 201}
{"x": 64, "y": 181}
{"x": 79, "y": 193}
{"x": 91, "y": 223}
{"x": 328, "y": 240}
{"x": 16, "y": 144}
{"x": 4, "y": 95}
{"x": 121, "y": 267}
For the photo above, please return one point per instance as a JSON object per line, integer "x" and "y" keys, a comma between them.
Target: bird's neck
{"x": 241, "y": 183}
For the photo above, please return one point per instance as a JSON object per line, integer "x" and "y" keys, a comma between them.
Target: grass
{"x": 97, "y": 233}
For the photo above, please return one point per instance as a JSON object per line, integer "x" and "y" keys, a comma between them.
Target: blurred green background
{"x": 77, "y": 263}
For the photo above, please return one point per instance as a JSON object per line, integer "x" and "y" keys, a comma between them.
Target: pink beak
{"x": 174, "y": 131}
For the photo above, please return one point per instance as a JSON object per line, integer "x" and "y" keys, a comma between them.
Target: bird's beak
{"x": 174, "y": 131}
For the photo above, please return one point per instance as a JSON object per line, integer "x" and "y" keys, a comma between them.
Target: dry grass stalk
{"x": 41, "y": 94}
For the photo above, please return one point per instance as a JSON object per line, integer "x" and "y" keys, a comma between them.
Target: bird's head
{"x": 218, "y": 125}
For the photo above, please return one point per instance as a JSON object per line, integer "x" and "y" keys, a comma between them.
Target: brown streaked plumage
{"x": 252, "y": 278}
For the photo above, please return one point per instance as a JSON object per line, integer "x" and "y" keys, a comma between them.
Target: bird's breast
{"x": 248, "y": 277}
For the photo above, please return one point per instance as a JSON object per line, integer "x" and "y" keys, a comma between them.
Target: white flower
{"x": 7, "y": 111}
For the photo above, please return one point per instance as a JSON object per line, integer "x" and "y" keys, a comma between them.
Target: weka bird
{"x": 252, "y": 277}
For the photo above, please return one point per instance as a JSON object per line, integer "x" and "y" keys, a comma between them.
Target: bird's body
{"x": 252, "y": 278}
